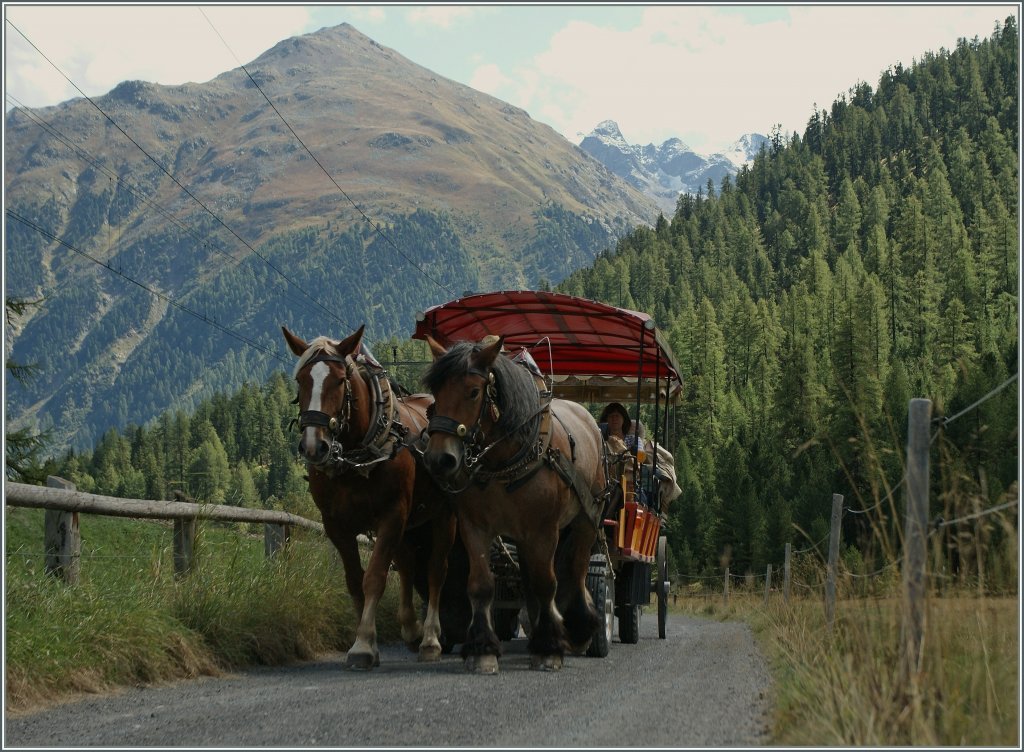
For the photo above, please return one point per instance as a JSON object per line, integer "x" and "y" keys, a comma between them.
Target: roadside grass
{"x": 130, "y": 621}
{"x": 842, "y": 687}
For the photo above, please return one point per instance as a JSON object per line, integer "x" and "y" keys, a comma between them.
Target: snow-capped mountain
{"x": 663, "y": 172}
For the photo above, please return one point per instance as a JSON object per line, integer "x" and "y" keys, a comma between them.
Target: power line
{"x": 176, "y": 181}
{"x": 375, "y": 225}
{"x": 84, "y": 155}
{"x": 147, "y": 288}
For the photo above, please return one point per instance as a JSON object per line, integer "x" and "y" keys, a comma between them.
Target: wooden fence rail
{"x": 64, "y": 503}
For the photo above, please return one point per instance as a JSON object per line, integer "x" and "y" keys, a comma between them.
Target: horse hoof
{"x": 482, "y": 664}
{"x": 361, "y": 661}
{"x": 430, "y": 653}
{"x": 546, "y": 662}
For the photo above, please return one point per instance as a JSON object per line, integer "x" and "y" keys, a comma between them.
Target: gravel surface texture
{"x": 706, "y": 685}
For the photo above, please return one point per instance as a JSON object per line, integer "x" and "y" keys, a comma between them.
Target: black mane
{"x": 517, "y": 392}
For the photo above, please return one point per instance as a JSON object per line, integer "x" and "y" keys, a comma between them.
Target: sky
{"x": 704, "y": 73}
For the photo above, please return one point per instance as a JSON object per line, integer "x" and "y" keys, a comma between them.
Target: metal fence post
{"x": 833, "y": 559}
{"x": 915, "y": 536}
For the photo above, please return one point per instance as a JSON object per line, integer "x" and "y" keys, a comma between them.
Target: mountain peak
{"x": 608, "y": 129}
{"x": 665, "y": 171}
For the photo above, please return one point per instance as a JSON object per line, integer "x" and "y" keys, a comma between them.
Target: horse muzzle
{"x": 313, "y": 449}
{"x": 443, "y": 457}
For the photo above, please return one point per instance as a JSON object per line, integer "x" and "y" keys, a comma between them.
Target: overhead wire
{"x": 163, "y": 296}
{"x": 176, "y": 181}
{"x": 375, "y": 225}
{"x": 85, "y": 156}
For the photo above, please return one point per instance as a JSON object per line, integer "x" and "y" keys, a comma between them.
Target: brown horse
{"x": 363, "y": 477}
{"x": 525, "y": 466}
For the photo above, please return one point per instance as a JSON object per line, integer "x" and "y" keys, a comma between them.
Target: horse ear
{"x": 485, "y": 357}
{"x": 436, "y": 347}
{"x": 295, "y": 344}
{"x": 351, "y": 343}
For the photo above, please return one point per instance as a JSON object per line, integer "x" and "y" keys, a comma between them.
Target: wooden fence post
{"x": 62, "y": 539}
{"x": 275, "y": 537}
{"x": 184, "y": 544}
{"x": 833, "y": 559}
{"x": 726, "y": 590}
{"x": 785, "y": 574}
{"x": 915, "y": 536}
{"x": 767, "y": 584}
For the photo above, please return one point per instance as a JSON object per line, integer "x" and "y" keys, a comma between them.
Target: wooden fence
{"x": 63, "y": 503}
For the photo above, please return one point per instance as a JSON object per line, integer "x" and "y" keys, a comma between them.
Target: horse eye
{"x": 474, "y": 393}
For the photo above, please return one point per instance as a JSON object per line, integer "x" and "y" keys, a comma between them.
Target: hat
{"x": 616, "y": 407}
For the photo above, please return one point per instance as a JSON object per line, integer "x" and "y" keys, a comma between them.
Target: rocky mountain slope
{"x": 388, "y": 189}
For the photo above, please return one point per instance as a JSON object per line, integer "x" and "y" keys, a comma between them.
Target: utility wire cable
{"x": 147, "y": 288}
{"x": 178, "y": 182}
{"x": 375, "y": 225}
{"x": 85, "y": 156}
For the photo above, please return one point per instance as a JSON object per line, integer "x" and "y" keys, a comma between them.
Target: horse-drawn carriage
{"x": 502, "y": 444}
{"x": 581, "y": 351}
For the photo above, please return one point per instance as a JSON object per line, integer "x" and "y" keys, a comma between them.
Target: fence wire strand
{"x": 946, "y": 420}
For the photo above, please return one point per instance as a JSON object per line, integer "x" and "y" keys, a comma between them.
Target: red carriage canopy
{"x": 593, "y": 352}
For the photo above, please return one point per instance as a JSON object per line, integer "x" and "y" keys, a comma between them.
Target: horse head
{"x": 462, "y": 381}
{"x": 329, "y": 392}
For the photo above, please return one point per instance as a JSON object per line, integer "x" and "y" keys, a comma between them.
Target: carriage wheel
{"x": 629, "y": 624}
{"x": 602, "y": 591}
{"x": 662, "y": 585}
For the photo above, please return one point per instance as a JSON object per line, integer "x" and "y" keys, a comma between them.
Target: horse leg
{"x": 363, "y": 655}
{"x": 574, "y": 601}
{"x": 547, "y": 640}
{"x": 348, "y": 550}
{"x": 412, "y": 630}
{"x": 482, "y": 647}
{"x": 440, "y": 546}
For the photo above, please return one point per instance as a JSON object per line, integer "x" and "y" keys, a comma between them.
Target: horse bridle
{"x": 472, "y": 438}
{"x": 335, "y": 427}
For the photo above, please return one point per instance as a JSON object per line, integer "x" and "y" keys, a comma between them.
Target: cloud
{"x": 489, "y": 79}
{"x": 710, "y": 74}
{"x": 95, "y": 45}
{"x": 442, "y": 16}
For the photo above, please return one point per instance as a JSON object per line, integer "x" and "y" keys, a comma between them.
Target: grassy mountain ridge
{"x": 455, "y": 190}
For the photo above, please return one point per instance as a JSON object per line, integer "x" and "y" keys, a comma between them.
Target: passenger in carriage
{"x": 615, "y": 421}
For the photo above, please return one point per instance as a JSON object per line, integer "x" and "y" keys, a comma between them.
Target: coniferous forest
{"x": 869, "y": 260}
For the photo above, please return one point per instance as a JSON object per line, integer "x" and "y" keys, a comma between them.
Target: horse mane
{"x": 326, "y": 344}
{"x": 517, "y": 391}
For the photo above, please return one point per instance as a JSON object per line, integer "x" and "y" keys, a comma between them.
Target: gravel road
{"x": 706, "y": 685}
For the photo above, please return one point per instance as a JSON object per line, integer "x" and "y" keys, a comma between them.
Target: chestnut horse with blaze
{"x": 523, "y": 465}
{"x": 355, "y": 438}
